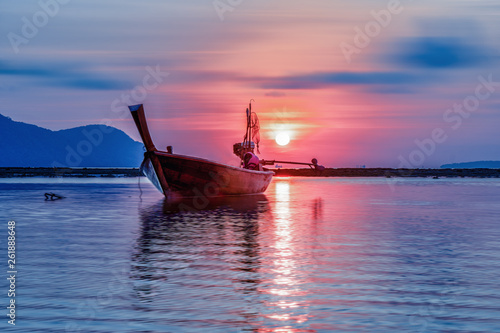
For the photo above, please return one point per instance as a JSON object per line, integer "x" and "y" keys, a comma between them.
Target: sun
{"x": 282, "y": 138}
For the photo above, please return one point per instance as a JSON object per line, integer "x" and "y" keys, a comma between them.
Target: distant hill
{"x": 473, "y": 165}
{"x": 25, "y": 145}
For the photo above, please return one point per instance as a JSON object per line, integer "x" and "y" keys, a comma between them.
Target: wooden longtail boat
{"x": 174, "y": 174}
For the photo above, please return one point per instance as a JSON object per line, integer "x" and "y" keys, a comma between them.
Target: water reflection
{"x": 311, "y": 256}
{"x": 317, "y": 209}
{"x": 247, "y": 244}
{"x": 213, "y": 249}
{"x": 287, "y": 305}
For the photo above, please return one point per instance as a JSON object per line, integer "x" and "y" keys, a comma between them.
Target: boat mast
{"x": 248, "y": 137}
{"x": 241, "y": 148}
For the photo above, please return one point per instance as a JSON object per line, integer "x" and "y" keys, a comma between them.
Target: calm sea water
{"x": 310, "y": 255}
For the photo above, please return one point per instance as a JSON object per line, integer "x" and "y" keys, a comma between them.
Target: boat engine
{"x": 240, "y": 149}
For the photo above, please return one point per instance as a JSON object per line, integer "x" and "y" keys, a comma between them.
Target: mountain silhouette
{"x": 26, "y": 145}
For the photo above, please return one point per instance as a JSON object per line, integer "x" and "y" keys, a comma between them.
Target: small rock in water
{"x": 52, "y": 196}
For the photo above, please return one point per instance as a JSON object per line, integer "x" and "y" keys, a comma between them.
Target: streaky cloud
{"x": 324, "y": 80}
{"x": 440, "y": 52}
{"x": 69, "y": 75}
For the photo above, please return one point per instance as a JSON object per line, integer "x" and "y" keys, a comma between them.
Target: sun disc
{"x": 282, "y": 138}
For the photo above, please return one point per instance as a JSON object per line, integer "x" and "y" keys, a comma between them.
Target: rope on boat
{"x": 140, "y": 189}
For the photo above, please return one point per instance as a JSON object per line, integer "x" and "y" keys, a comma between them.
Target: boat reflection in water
{"x": 320, "y": 256}
{"x": 193, "y": 266}
{"x": 233, "y": 260}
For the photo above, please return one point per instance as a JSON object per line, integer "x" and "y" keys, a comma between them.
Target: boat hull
{"x": 192, "y": 176}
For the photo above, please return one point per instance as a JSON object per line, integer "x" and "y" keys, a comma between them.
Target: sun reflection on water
{"x": 286, "y": 305}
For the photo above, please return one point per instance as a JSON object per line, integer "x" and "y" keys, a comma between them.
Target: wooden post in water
{"x": 137, "y": 112}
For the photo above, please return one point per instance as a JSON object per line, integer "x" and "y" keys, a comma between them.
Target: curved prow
{"x": 137, "y": 112}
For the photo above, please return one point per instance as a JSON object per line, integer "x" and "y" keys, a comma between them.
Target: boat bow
{"x": 193, "y": 176}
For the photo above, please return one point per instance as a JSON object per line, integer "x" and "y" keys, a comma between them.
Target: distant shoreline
{"x": 69, "y": 172}
{"x": 389, "y": 173}
{"x": 338, "y": 172}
